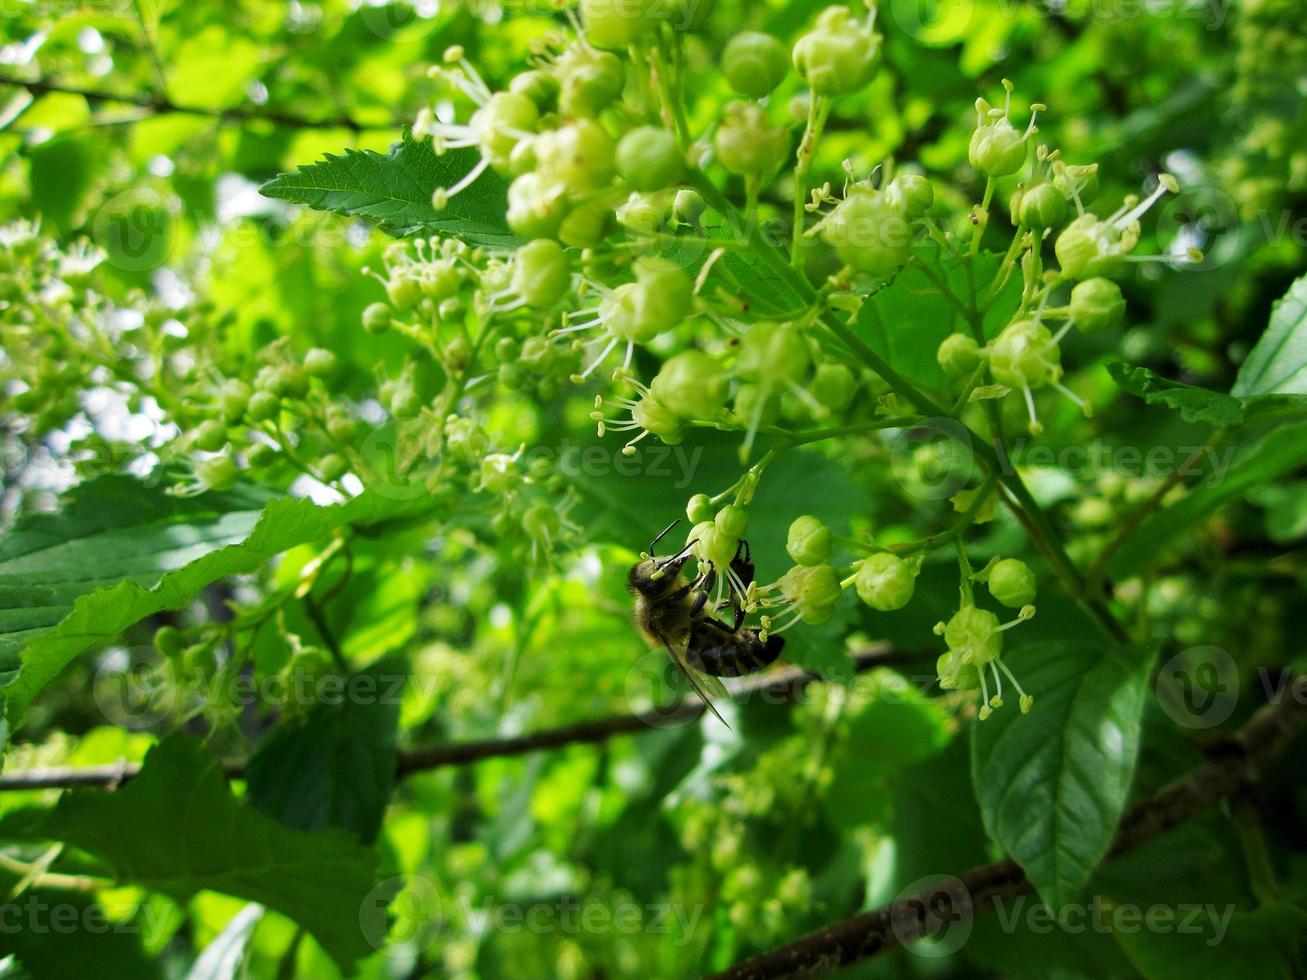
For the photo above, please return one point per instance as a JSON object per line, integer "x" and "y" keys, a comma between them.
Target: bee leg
{"x": 705, "y": 587}
{"x": 703, "y": 581}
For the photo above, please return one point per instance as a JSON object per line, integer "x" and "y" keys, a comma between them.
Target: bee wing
{"x": 701, "y": 683}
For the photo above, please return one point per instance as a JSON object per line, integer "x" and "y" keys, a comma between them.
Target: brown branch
{"x": 774, "y": 688}
{"x": 161, "y": 104}
{"x": 1236, "y": 765}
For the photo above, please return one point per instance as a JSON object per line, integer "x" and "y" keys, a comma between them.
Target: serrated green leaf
{"x": 1052, "y": 784}
{"x": 1278, "y": 364}
{"x": 118, "y": 551}
{"x": 394, "y": 189}
{"x": 177, "y": 829}
{"x": 336, "y": 767}
{"x": 1193, "y": 403}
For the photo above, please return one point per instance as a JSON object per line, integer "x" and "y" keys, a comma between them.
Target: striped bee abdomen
{"x": 720, "y": 652}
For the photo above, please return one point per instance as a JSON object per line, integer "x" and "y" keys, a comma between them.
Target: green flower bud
{"x": 773, "y": 354}
{"x": 591, "y": 81}
{"x": 650, "y": 159}
{"x": 912, "y": 192}
{"x": 954, "y": 675}
{"x": 808, "y": 541}
{"x": 1097, "y": 305}
{"x": 332, "y": 467}
{"x": 1025, "y": 355}
{"x": 1041, "y": 207}
{"x": 540, "y": 522}
{"x": 341, "y": 427}
{"x": 1089, "y": 247}
{"x": 537, "y": 354}
{"x": 507, "y": 349}
{"x": 168, "y": 641}
{"x": 885, "y": 582}
{"x": 1012, "y": 583}
{"x": 747, "y": 143}
{"x": 838, "y": 55}
{"x": 833, "y": 386}
{"x": 499, "y": 473}
{"x": 643, "y": 214}
{"x": 210, "y": 436}
{"x": 579, "y": 155}
{"x": 290, "y": 381}
{"x": 870, "y": 233}
{"x": 958, "y": 355}
{"x": 692, "y": 385}
{"x": 997, "y": 149}
{"x": 751, "y": 400}
{"x": 260, "y": 454}
{"x": 233, "y": 398}
{"x": 536, "y": 206}
{"x": 615, "y": 24}
{"x": 497, "y": 126}
{"x": 688, "y": 206}
{"x": 732, "y": 521}
{"x": 699, "y": 509}
{"x": 754, "y": 63}
{"x": 973, "y": 636}
{"x": 263, "y": 406}
{"x": 403, "y": 292}
{"x": 405, "y": 402}
{"x": 813, "y": 590}
{"x": 652, "y": 415}
{"x": 586, "y": 226}
{"x": 542, "y": 273}
{"x": 376, "y": 318}
{"x": 218, "y": 473}
{"x": 319, "y": 362}
{"x": 538, "y": 86}
{"x": 711, "y": 545}
{"x": 440, "y": 280}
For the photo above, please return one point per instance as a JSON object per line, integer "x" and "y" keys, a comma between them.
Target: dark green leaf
{"x": 394, "y": 189}
{"x": 1221, "y": 945}
{"x": 1052, "y": 784}
{"x": 906, "y": 320}
{"x": 1255, "y": 461}
{"x": 177, "y": 829}
{"x": 118, "y": 551}
{"x": 336, "y": 767}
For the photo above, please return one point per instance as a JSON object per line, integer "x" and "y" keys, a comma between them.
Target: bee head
{"x": 653, "y": 578}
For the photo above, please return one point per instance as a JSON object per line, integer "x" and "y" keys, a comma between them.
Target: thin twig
{"x": 162, "y": 104}
{"x": 1228, "y": 772}
{"x": 777, "y": 687}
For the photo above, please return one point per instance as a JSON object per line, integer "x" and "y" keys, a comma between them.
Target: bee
{"x": 676, "y": 615}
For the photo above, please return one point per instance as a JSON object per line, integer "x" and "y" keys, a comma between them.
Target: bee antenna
{"x": 666, "y": 531}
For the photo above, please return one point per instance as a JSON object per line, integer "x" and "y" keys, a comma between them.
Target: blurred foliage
{"x": 145, "y": 127}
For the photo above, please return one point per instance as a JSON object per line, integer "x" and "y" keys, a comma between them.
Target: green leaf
{"x": 1193, "y": 403}
{"x": 1202, "y": 404}
{"x": 222, "y": 958}
{"x": 177, "y": 829}
{"x": 394, "y": 189}
{"x": 1256, "y": 460}
{"x": 906, "y": 320}
{"x": 336, "y": 768}
{"x": 1278, "y": 364}
{"x": 1052, "y": 784}
{"x": 119, "y": 551}
{"x": 1222, "y": 945}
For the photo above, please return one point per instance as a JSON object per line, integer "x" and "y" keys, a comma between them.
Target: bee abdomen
{"x": 732, "y": 655}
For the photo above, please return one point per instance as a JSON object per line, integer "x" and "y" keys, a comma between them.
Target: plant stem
{"x": 818, "y": 112}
